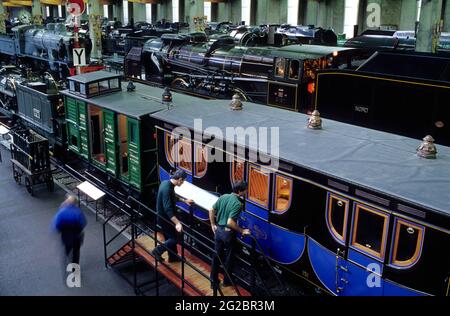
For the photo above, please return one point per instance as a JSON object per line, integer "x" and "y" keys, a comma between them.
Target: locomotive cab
{"x": 283, "y": 86}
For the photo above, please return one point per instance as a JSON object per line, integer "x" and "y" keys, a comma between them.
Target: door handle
{"x": 343, "y": 268}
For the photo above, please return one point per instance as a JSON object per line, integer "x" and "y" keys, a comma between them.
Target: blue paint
{"x": 363, "y": 260}
{"x": 201, "y": 213}
{"x": 163, "y": 174}
{"x": 286, "y": 247}
{"x": 256, "y": 210}
{"x": 323, "y": 262}
{"x": 324, "y": 265}
{"x": 260, "y": 229}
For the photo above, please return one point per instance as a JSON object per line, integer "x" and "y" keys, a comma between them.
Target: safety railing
{"x": 138, "y": 214}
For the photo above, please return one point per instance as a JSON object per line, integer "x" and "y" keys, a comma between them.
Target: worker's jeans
{"x": 224, "y": 244}
{"x": 170, "y": 237}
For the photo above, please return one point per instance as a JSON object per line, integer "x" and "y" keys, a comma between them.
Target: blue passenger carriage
{"x": 349, "y": 210}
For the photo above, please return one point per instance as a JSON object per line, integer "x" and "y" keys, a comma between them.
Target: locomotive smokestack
{"x": 427, "y": 148}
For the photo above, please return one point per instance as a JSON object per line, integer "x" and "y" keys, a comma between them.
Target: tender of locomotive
{"x": 402, "y": 93}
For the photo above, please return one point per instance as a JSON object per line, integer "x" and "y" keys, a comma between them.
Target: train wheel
{"x": 29, "y": 186}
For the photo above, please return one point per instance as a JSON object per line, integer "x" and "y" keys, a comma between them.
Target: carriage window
{"x": 370, "y": 230}
{"x": 169, "y": 144}
{"x": 200, "y": 160}
{"x": 337, "y": 210}
{"x": 283, "y": 193}
{"x": 184, "y": 155}
{"x": 279, "y": 67}
{"x": 74, "y": 140}
{"x": 114, "y": 83}
{"x": 294, "y": 66}
{"x": 258, "y": 186}
{"x": 407, "y": 243}
{"x": 72, "y": 85}
{"x": 93, "y": 88}
{"x": 237, "y": 170}
{"x": 103, "y": 85}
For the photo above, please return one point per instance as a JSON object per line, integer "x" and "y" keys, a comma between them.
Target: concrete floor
{"x": 30, "y": 255}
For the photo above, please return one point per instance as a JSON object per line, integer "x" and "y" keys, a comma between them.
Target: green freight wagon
{"x": 110, "y": 127}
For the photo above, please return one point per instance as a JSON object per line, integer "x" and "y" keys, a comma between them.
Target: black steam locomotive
{"x": 217, "y": 67}
{"x": 42, "y": 48}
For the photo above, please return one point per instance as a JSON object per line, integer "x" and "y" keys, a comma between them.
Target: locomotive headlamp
{"x": 335, "y": 53}
{"x": 167, "y": 95}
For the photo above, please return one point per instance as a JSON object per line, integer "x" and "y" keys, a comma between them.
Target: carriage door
{"x": 110, "y": 141}
{"x": 361, "y": 271}
{"x": 77, "y": 127}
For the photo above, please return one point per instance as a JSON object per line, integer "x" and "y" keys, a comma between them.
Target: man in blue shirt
{"x": 70, "y": 222}
{"x": 166, "y": 209}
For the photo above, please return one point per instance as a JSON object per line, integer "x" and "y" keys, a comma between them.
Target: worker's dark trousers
{"x": 74, "y": 249}
{"x": 224, "y": 244}
{"x": 170, "y": 237}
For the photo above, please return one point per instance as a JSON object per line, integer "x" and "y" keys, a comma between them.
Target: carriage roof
{"x": 144, "y": 100}
{"x": 377, "y": 160}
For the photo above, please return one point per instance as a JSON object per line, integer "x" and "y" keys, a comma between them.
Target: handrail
{"x": 194, "y": 238}
{"x": 280, "y": 282}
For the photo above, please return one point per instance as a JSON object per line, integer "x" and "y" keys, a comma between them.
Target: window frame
{"x": 260, "y": 170}
{"x": 405, "y": 264}
{"x": 334, "y": 233}
{"x": 170, "y": 160}
{"x": 284, "y": 67}
{"x": 233, "y": 160}
{"x": 298, "y": 69}
{"x": 366, "y": 250}
{"x": 198, "y": 148}
{"x": 178, "y": 161}
{"x": 274, "y": 195}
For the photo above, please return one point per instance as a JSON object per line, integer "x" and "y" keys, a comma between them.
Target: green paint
{"x": 134, "y": 158}
{"x": 109, "y": 124}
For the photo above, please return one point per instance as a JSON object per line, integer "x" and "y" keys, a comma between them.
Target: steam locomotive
{"x": 42, "y": 48}
{"x": 217, "y": 67}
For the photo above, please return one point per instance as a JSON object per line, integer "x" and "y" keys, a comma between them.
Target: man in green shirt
{"x": 227, "y": 208}
{"x": 167, "y": 219}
